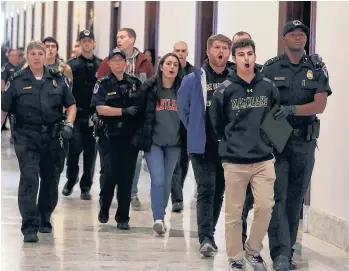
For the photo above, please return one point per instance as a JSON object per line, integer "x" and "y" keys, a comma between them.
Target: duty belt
{"x": 42, "y": 128}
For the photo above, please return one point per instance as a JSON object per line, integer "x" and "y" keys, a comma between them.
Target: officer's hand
{"x": 67, "y": 132}
{"x": 284, "y": 111}
{"x": 132, "y": 110}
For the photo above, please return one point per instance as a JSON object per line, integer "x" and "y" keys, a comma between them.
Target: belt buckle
{"x": 44, "y": 128}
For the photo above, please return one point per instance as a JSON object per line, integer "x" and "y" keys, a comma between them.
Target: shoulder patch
{"x": 66, "y": 82}
{"x": 16, "y": 74}
{"x": 8, "y": 84}
{"x": 96, "y": 88}
{"x": 2, "y": 68}
{"x": 272, "y": 60}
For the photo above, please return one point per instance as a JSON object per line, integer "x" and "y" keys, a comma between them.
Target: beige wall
{"x": 62, "y": 26}
{"x": 102, "y": 27}
{"x": 133, "y": 16}
{"x": 330, "y": 183}
{"x": 248, "y": 16}
{"x": 182, "y": 29}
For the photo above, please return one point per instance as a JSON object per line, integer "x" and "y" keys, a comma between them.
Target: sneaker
{"x": 135, "y": 203}
{"x": 123, "y": 226}
{"x": 293, "y": 264}
{"x": 159, "y": 227}
{"x": 31, "y": 238}
{"x": 281, "y": 263}
{"x": 206, "y": 248}
{"x": 236, "y": 266}
{"x": 214, "y": 244}
{"x": 177, "y": 207}
{"x": 255, "y": 262}
{"x": 45, "y": 227}
{"x": 85, "y": 195}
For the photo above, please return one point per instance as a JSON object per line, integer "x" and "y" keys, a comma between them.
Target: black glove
{"x": 67, "y": 132}
{"x": 284, "y": 111}
{"x": 132, "y": 110}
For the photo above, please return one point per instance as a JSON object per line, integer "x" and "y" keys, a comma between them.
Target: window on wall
{"x": 89, "y": 15}
{"x": 43, "y": 20}
{"x": 70, "y": 29}
{"x": 206, "y": 25}
{"x": 11, "y": 33}
{"x": 17, "y": 28}
{"x": 24, "y": 26}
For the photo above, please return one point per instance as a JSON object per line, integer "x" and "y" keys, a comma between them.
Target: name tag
{"x": 27, "y": 87}
{"x": 111, "y": 93}
{"x": 279, "y": 78}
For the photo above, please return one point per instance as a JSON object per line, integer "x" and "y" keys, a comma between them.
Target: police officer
{"x": 84, "y": 68}
{"x": 36, "y": 97}
{"x": 303, "y": 85}
{"x": 117, "y": 100}
{"x": 7, "y": 70}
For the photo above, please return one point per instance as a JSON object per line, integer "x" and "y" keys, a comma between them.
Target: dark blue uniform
{"x": 119, "y": 156}
{"x": 297, "y": 84}
{"x": 38, "y": 109}
{"x": 6, "y": 72}
{"x": 84, "y": 79}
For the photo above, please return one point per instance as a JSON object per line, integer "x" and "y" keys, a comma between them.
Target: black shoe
{"x": 214, "y": 244}
{"x": 206, "y": 248}
{"x": 85, "y": 195}
{"x": 123, "y": 226}
{"x": 45, "y": 227}
{"x": 236, "y": 265}
{"x": 177, "y": 207}
{"x": 281, "y": 263}
{"x": 293, "y": 264}
{"x": 31, "y": 238}
{"x": 103, "y": 216}
{"x": 67, "y": 191}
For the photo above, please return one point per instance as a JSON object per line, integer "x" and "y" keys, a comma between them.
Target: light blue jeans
{"x": 161, "y": 163}
{"x": 137, "y": 173}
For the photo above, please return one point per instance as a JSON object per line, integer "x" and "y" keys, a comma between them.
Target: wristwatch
{"x": 71, "y": 125}
{"x": 293, "y": 110}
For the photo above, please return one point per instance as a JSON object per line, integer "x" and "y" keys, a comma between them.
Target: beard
{"x": 219, "y": 62}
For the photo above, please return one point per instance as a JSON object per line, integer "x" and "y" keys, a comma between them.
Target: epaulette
{"x": 55, "y": 72}
{"x": 103, "y": 79}
{"x": 17, "y": 74}
{"x": 272, "y": 60}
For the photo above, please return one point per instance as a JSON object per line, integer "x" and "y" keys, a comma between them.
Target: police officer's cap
{"x": 292, "y": 25}
{"x": 116, "y": 51}
{"x": 86, "y": 34}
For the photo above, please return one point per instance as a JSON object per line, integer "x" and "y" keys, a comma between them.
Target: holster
{"x": 313, "y": 130}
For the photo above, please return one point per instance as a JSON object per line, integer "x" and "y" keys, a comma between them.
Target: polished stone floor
{"x": 79, "y": 242}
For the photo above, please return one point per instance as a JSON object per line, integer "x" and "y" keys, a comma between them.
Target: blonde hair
{"x": 36, "y": 45}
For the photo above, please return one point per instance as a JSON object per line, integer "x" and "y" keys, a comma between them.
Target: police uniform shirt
{"x": 297, "y": 84}
{"x": 84, "y": 79}
{"x": 7, "y": 71}
{"x": 35, "y": 101}
{"x": 116, "y": 93}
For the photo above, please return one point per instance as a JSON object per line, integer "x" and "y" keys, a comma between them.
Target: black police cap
{"x": 86, "y": 34}
{"x": 292, "y": 25}
{"x": 116, "y": 51}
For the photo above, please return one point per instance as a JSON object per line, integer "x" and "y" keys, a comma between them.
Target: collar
{"x": 87, "y": 59}
{"x": 304, "y": 62}
{"x": 208, "y": 68}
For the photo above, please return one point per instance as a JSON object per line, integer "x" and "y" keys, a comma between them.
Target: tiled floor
{"x": 79, "y": 242}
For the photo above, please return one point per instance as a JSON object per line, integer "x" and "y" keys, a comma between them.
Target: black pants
{"x": 293, "y": 167}
{"x": 39, "y": 154}
{"x": 119, "y": 169}
{"x": 209, "y": 176}
{"x": 103, "y": 149}
{"x": 179, "y": 175}
{"x": 82, "y": 141}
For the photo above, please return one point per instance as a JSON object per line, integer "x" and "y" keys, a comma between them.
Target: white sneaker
{"x": 159, "y": 227}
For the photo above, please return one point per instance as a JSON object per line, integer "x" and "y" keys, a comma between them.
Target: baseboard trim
{"x": 328, "y": 228}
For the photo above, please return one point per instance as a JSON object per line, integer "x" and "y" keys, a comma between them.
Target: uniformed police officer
{"x": 304, "y": 87}
{"x": 36, "y": 97}
{"x": 117, "y": 100}
{"x": 7, "y": 70}
{"x": 84, "y": 68}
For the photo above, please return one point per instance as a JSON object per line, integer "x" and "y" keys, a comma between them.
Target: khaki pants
{"x": 262, "y": 178}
